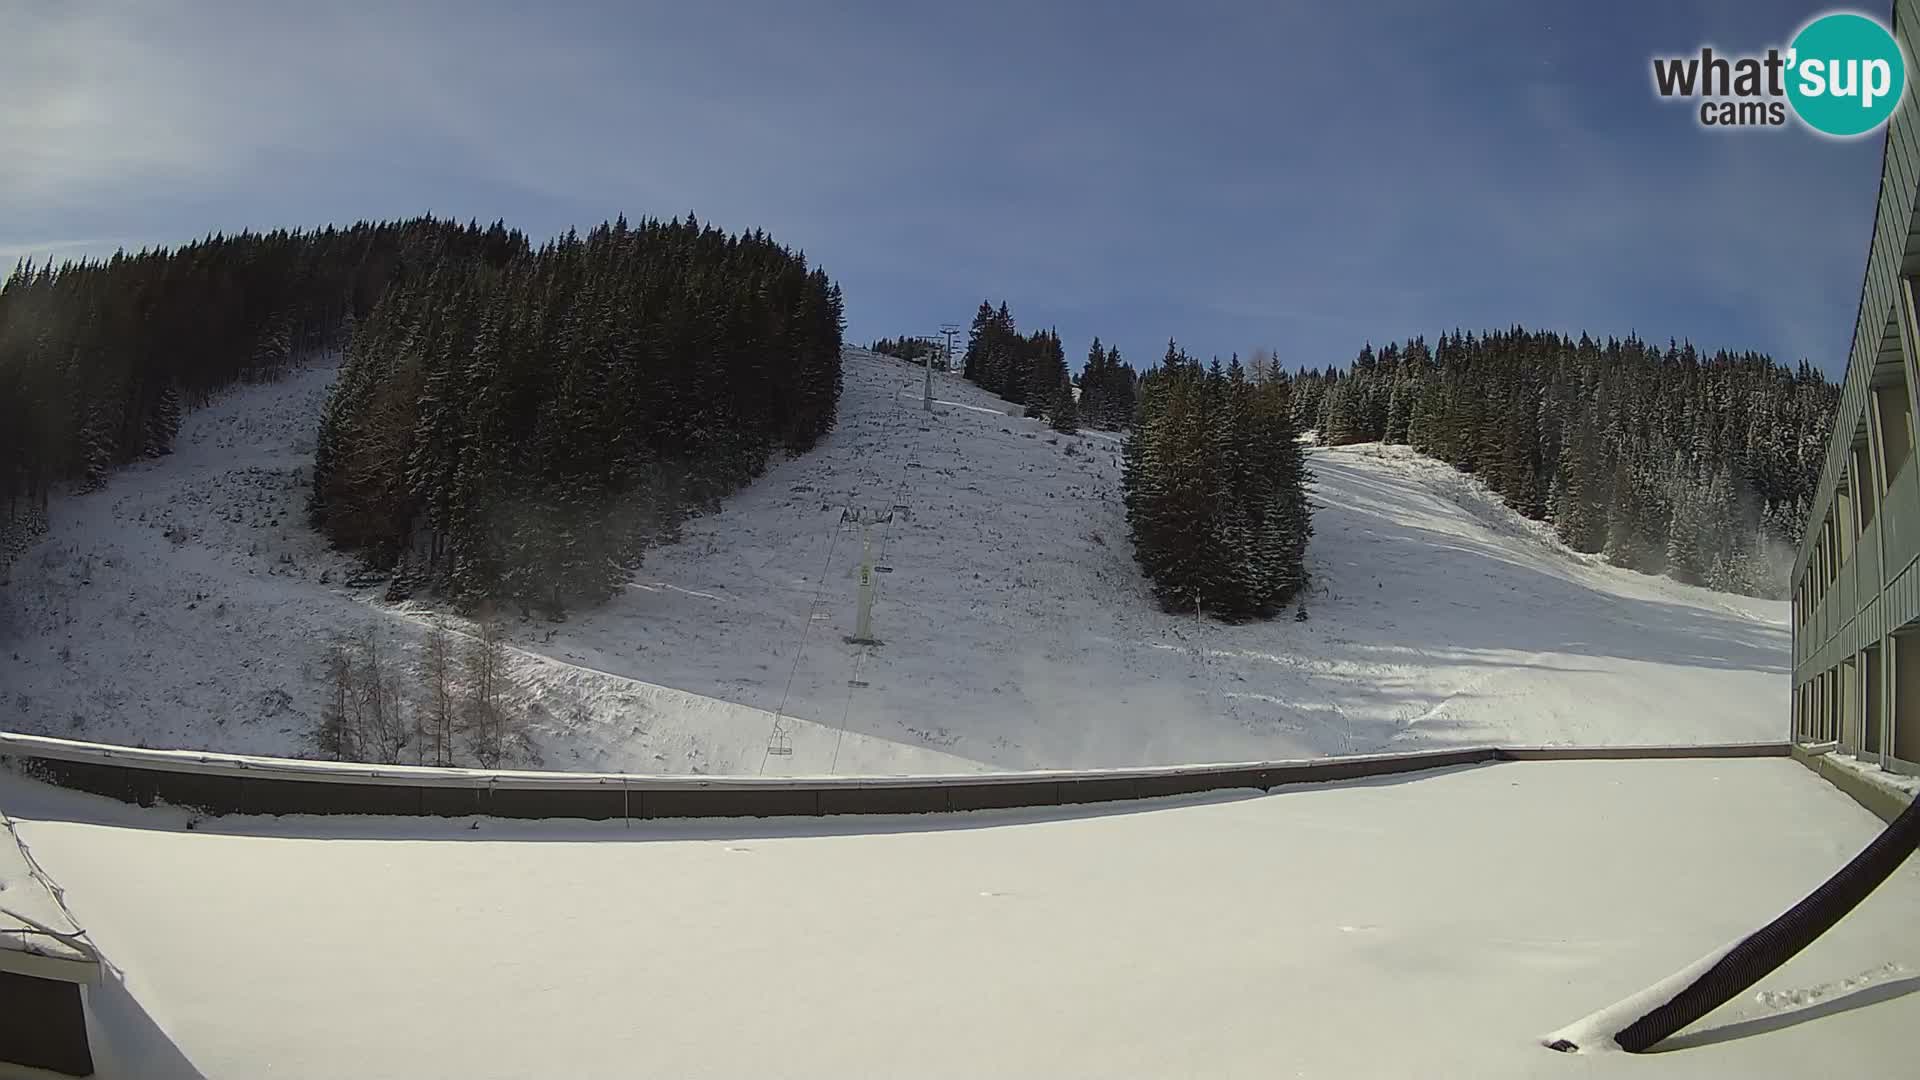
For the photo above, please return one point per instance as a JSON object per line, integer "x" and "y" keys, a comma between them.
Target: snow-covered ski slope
{"x": 186, "y": 606}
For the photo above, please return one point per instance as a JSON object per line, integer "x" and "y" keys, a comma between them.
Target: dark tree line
{"x": 1215, "y": 488}
{"x": 1031, "y": 370}
{"x": 522, "y": 432}
{"x": 99, "y": 358}
{"x": 1028, "y": 370}
{"x": 907, "y": 348}
{"x": 1665, "y": 460}
{"x": 1108, "y": 387}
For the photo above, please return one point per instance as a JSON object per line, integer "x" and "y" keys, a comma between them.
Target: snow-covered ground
{"x": 187, "y": 606}
{"x": 1433, "y": 925}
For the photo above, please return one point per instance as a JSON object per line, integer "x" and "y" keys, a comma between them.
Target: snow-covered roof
{"x": 38, "y": 937}
{"x": 1432, "y": 925}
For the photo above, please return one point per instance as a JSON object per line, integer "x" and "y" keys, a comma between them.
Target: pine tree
{"x": 979, "y": 342}
{"x": 1122, "y": 391}
{"x": 1685, "y": 530}
{"x": 97, "y": 448}
{"x": 1006, "y": 359}
{"x": 163, "y": 423}
{"x": 1065, "y": 413}
{"x": 1095, "y": 386}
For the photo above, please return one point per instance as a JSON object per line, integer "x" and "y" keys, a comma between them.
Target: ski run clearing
{"x": 1433, "y": 925}
{"x": 187, "y": 605}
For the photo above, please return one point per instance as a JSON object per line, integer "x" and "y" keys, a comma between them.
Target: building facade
{"x": 1856, "y": 585}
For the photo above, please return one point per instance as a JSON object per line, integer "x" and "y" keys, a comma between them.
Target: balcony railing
{"x": 1866, "y": 566}
{"x": 1900, "y": 519}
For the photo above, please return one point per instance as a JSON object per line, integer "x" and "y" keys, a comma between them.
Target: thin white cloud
{"x": 1165, "y": 164}
{"x": 13, "y": 251}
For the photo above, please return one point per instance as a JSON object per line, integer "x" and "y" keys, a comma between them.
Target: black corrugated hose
{"x": 1776, "y": 943}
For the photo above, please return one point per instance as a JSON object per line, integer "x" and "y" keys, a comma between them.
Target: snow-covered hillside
{"x": 187, "y": 605}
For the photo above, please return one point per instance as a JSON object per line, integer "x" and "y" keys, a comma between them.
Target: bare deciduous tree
{"x": 382, "y": 714}
{"x": 436, "y": 717}
{"x": 337, "y": 735}
{"x": 485, "y": 719}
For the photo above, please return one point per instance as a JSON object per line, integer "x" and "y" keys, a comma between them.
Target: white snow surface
{"x": 184, "y": 607}
{"x": 1429, "y": 925}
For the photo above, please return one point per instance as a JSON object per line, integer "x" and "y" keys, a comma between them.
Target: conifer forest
{"x": 516, "y": 425}
{"x": 1670, "y": 461}
{"x": 510, "y": 424}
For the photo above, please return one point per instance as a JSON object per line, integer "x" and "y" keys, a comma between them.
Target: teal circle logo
{"x": 1846, "y": 74}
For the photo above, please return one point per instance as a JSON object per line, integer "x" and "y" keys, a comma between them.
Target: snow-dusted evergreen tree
{"x": 1399, "y": 412}
{"x": 98, "y": 447}
{"x": 1093, "y": 385}
{"x": 162, "y": 423}
{"x": 1622, "y": 545}
{"x": 1064, "y": 413}
{"x": 1005, "y": 370}
{"x": 1347, "y": 408}
{"x": 1215, "y": 489}
{"x": 1046, "y": 367}
{"x": 1167, "y": 487}
{"x": 1308, "y": 399}
{"x": 1404, "y": 390}
{"x": 1580, "y": 490}
{"x": 272, "y": 348}
{"x": 973, "y": 363}
{"x": 1106, "y": 389}
{"x": 1688, "y": 550}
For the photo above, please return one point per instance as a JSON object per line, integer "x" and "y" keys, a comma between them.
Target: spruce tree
{"x": 163, "y": 423}
{"x": 1095, "y": 385}
{"x": 1121, "y": 393}
{"x": 1215, "y": 490}
{"x": 979, "y": 342}
{"x": 1065, "y": 413}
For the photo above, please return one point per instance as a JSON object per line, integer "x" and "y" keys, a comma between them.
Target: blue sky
{"x": 1300, "y": 177}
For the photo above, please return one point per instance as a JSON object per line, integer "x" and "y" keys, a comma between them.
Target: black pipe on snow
{"x": 1760, "y": 952}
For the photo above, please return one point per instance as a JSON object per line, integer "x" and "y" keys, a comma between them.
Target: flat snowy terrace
{"x": 1431, "y": 925}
